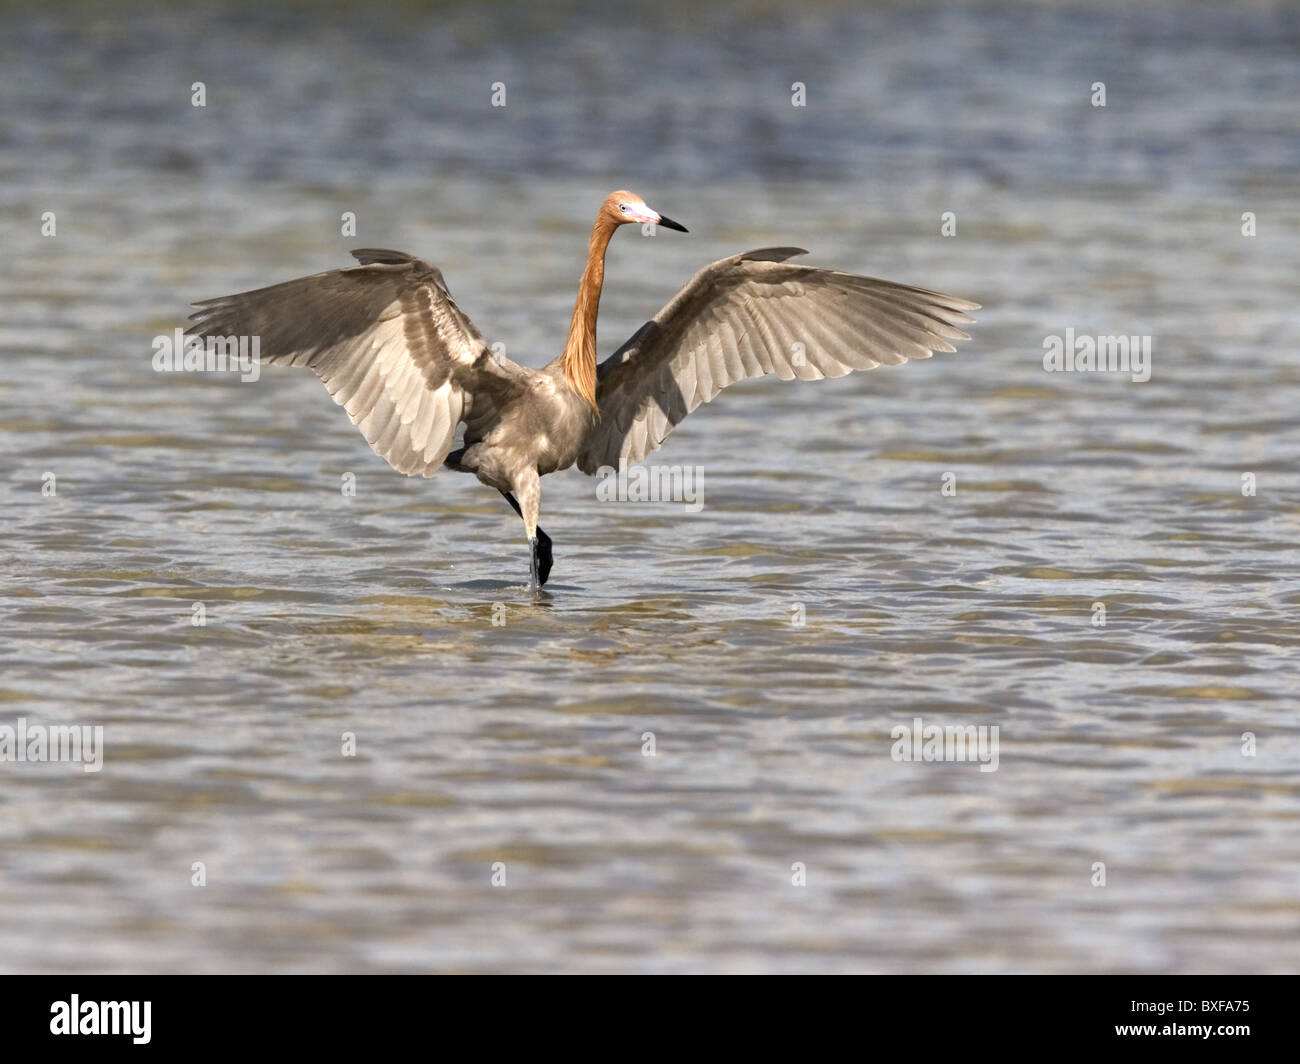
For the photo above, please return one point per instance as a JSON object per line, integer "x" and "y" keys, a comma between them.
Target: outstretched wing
{"x": 749, "y": 315}
{"x": 389, "y": 343}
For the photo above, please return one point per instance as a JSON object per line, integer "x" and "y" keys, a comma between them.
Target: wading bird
{"x": 409, "y": 367}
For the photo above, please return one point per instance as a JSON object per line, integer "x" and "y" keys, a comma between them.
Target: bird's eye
{"x": 623, "y": 207}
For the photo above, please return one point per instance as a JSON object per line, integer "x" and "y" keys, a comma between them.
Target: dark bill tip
{"x": 668, "y": 223}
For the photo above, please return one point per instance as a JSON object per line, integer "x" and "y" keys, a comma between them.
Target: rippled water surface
{"x": 522, "y": 743}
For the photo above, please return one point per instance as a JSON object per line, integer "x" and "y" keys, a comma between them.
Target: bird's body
{"x": 410, "y": 368}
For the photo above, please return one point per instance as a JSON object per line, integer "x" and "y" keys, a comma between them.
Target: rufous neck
{"x": 579, "y": 359}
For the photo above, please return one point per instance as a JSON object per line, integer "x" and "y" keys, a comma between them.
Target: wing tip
{"x": 381, "y": 256}
{"x": 771, "y": 254}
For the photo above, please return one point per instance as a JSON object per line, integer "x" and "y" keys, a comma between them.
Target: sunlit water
{"x": 522, "y": 742}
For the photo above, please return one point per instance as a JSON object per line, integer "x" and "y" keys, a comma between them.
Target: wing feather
{"x": 389, "y": 343}
{"x": 750, "y": 315}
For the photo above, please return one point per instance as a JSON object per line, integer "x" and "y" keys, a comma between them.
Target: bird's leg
{"x": 527, "y": 485}
{"x": 545, "y": 559}
{"x": 543, "y": 556}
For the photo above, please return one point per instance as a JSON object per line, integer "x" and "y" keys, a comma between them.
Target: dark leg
{"x": 542, "y": 552}
{"x": 541, "y": 558}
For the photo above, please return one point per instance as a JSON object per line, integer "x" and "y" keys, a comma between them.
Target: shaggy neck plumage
{"x": 579, "y": 359}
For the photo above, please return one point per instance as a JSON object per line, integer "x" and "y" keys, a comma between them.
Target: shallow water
{"x": 522, "y": 743}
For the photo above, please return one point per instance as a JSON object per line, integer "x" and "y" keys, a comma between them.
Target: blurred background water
{"x": 522, "y": 743}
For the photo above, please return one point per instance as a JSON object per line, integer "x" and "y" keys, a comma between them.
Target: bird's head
{"x": 624, "y": 207}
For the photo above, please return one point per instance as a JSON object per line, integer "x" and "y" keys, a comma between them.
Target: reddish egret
{"x": 409, "y": 366}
